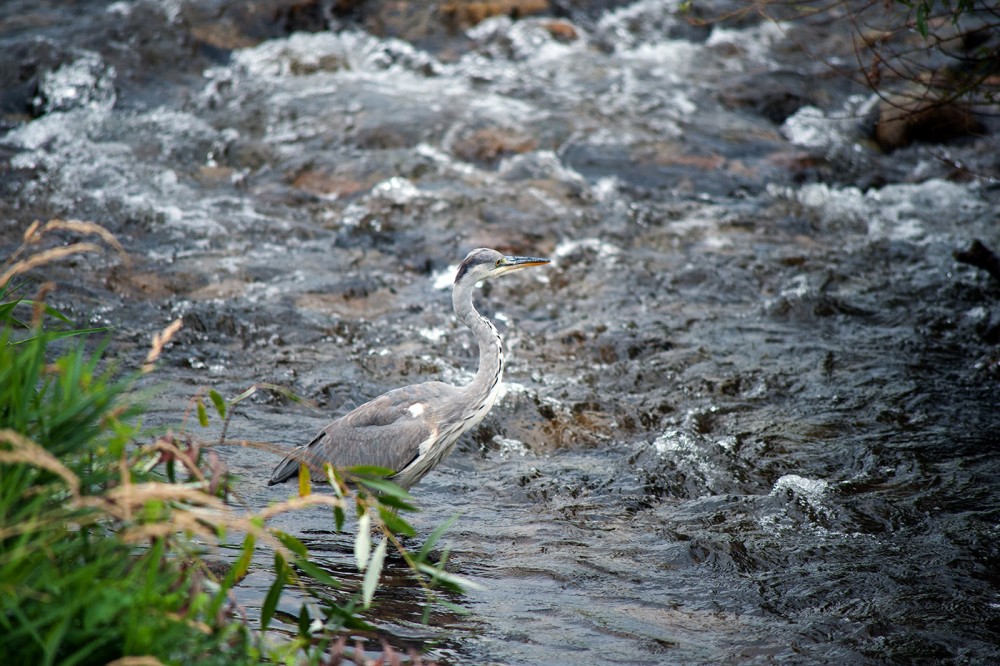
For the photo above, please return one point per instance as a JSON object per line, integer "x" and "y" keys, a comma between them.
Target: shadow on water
{"x": 406, "y": 618}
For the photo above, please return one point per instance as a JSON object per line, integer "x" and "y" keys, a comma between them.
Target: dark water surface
{"x": 751, "y": 411}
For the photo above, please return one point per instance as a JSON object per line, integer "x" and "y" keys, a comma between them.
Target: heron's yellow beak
{"x": 509, "y": 264}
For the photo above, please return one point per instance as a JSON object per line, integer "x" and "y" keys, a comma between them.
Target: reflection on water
{"x": 751, "y": 410}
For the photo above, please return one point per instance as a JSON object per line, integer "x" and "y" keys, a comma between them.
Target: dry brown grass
{"x": 136, "y": 661}
{"x": 160, "y": 340}
{"x": 28, "y": 256}
{"x": 184, "y": 515}
{"x": 23, "y": 450}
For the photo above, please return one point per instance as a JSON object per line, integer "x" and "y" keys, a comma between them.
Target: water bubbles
{"x": 397, "y": 190}
{"x": 753, "y": 45}
{"x": 298, "y": 54}
{"x": 810, "y": 128}
{"x": 675, "y": 441}
{"x": 835, "y": 207}
{"x": 444, "y": 279}
{"x": 510, "y": 447}
{"x": 539, "y": 165}
{"x": 607, "y": 189}
{"x": 85, "y": 83}
{"x": 646, "y": 21}
{"x": 812, "y": 490}
{"x": 434, "y": 335}
{"x": 325, "y": 53}
{"x": 801, "y": 503}
{"x": 602, "y": 249}
{"x": 838, "y": 130}
{"x": 502, "y": 38}
{"x": 898, "y": 212}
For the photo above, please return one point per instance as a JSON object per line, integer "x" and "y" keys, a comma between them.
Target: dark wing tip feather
{"x": 285, "y": 470}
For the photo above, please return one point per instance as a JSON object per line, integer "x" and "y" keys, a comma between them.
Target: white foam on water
{"x": 509, "y": 447}
{"x": 603, "y": 249}
{"x": 914, "y": 212}
{"x": 638, "y": 23}
{"x": 84, "y": 83}
{"x": 811, "y": 489}
{"x": 754, "y": 43}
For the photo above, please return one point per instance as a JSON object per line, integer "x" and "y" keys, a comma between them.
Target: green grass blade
{"x": 219, "y": 402}
{"x": 363, "y": 541}
{"x": 274, "y": 593}
{"x": 435, "y": 537}
{"x": 385, "y": 488}
{"x": 317, "y": 573}
{"x": 395, "y": 524}
{"x": 372, "y": 574}
{"x": 369, "y": 471}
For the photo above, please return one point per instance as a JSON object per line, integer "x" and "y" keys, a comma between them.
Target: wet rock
{"x": 726, "y": 13}
{"x": 489, "y": 144}
{"x": 561, "y": 31}
{"x": 134, "y": 284}
{"x": 330, "y": 184}
{"x": 462, "y": 14}
{"x": 802, "y": 166}
{"x": 15, "y": 103}
{"x": 925, "y": 117}
{"x": 227, "y": 26}
{"x": 773, "y": 95}
{"x": 226, "y": 289}
{"x": 641, "y": 21}
{"x": 224, "y": 36}
{"x": 373, "y": 305}
{"x": 669, "y": 154}
{"x": 418, "y": 23}
{"x": 440, "y": 27}
{"x": 980, "y": 256}
{"x": 214, "y": 175}
{"x": 220, "y": 568}
{"x": 22, "y": 66}
{"x": 248, "y": 154}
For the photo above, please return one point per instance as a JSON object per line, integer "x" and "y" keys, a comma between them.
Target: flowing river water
{"x": 751, "y": 409}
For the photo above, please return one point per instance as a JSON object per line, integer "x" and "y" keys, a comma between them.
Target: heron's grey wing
{"x": 385, "y": 432}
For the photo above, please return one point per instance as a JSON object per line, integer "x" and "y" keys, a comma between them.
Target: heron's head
{"x": 483, "y": 264}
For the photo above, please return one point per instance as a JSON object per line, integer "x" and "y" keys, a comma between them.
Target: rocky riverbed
{"x": 751, "y": 409}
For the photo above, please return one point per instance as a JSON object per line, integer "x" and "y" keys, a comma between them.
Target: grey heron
{"x": 410, "y": 430}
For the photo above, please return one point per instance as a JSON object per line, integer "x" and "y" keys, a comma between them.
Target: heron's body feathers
{"x": 382, "y": 432}
{"x": 411, "y": 429}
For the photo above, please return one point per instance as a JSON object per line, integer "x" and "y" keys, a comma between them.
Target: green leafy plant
{"x": 103, "y": 537}
{"x": 89, "y": 571}
{"x": 927, "y": 9}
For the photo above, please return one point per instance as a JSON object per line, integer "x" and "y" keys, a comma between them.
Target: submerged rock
{"x": 927, "y": 116}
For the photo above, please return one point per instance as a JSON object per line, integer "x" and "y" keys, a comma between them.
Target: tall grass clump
{"x": 103, "y": 535}
{"x": 83, "y": 578}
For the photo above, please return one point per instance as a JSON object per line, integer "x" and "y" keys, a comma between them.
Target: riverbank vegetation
{"x": 933, "y": 64}
{"x": 105, "y": 528}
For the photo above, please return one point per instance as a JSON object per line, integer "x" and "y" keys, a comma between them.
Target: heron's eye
{"x": 499, "y": 263}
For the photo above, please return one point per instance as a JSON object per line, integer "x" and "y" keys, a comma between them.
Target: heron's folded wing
{"x": 383, "y": 433}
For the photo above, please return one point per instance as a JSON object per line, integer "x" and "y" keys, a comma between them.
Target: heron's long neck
{"x": 487, "y": 379}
